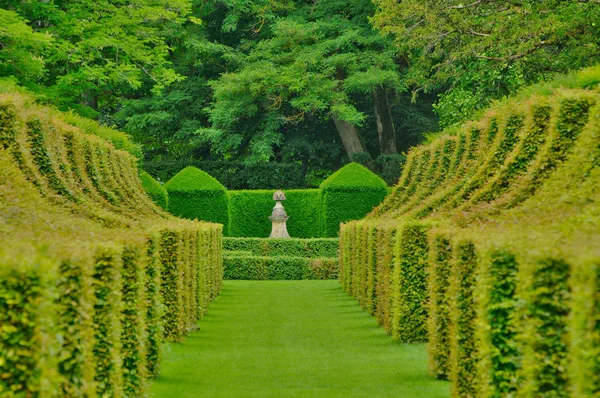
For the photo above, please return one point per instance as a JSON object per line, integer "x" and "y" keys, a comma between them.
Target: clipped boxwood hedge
{"x": 294, "y": 247}
{"x": 157, "y": 192}
{"x": 83, "y": 291}
{"x": 194, "y": 194}
{"x": 249, "y": 213}
{"x": 278, "y": 267}
{"x": 509, "y": 206}
{"x": 349, "y": 194}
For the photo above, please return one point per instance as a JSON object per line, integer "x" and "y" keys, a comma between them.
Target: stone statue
{"x": 279, "y": 217}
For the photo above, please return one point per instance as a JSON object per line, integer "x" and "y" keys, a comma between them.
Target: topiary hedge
{"x": 503, "y": 214}
{"x": 249, "y": 213}
{"x": 294, "y": 247}
{"x": 349, "y": 194}
{"x": 157, "y": 192}
{"x": 194, "y": 194}
{"x": 278, "y": 268}
{"x": 82, "y": 286}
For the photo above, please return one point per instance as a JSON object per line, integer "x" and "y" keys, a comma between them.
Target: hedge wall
{"x": 349, "y": 194}
{"x": 490, "y": 239}
{"x": 310, "y": 248}
{"x": 194, "y": 194}
{"x": 278, "y": 268}
{"x": 86, "y": 261}
{"x": 249, "y": 213}
{"x": 157, "y": 192}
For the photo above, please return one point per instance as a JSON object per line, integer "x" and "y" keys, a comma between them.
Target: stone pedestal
{"x": 279, "y": 217}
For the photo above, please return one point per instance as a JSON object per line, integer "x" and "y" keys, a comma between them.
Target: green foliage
{"x": 107, "y": 284}
{"x": 499, "y": 47}
{"x": 544, "y": 369}
{"x": 409, "y": 279}
{"x": 156, "y": 191}
{"x": 463, "y": 347}
{"x": 196, "y": 195}
{"x": 154, "y": 306}
{"x": 171, "y": 287}
{"x": 349, "y": 194}
{"x": 75, "y": 309}
{"x": 133, "y": 333}
{"x": 26, "y": 336}
{"x": 438, "y": 321}
{"x": 249, "y": 213}
{"x": 292, "y": 247}
{"x": 7, "y": 121}
{"x": 279, "y": 268}
{"x": 233, "y": 174}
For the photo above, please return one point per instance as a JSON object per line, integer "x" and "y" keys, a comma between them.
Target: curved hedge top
{"x": 192, "y": 179}
{"x": 353, "y": 175}
{"x": 157, "y": 192}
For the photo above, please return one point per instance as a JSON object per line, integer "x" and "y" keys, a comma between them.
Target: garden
{"x": 299, "y": 199}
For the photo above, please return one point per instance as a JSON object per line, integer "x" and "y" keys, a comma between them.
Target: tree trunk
{"x": 349, "y": 135}
{"x": 385, "y": 124}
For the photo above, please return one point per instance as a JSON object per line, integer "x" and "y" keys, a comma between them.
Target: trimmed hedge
{"x": 511, "y": 214}
{"x": 249, "y": 213}
{"x": 279, "y": 268}
{"x": 80, "y": 262}
{"x": 157, "y": 192}
{"x": 194, "y": 194}
{"x": 291, "y": 247}
{"x": 349, "y": 194}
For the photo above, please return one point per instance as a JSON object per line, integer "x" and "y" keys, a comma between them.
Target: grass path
{"x": 292, "y": 339}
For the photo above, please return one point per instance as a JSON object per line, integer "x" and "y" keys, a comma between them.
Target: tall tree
{"x": 485, "y": 49}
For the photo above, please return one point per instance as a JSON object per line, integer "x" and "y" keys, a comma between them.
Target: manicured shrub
{"x": 171, "y": 285}
{"x": 133, "y": 333}
{"x": 27, "y": 341}
{"x": 291, "y": 247}
{"x": 409, "y": 290}
{"x": 279, "y": 268}
{"x": 463, "y": 346}
{"x": 349, "y": 194}
{"x": 156, "y": 191}
{"x": 7, "y": 125}
{"x": 438, "y": 322}
{"x": 194, "y": 194}
{"x": 370, "y": 265}
{"x": 584, "y": 364}
{"x": 107, "y": 320}
{"x": 250, "y": 210}
{"x": 74, "y": 311}
{"x": 546, "y": 294}
{"x": 385, "y": 270}
{"x": 499, "y": 346}
{"x": 154, "y": 308}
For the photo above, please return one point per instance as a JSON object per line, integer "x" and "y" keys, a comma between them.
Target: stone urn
{"x": 279, "y": 217}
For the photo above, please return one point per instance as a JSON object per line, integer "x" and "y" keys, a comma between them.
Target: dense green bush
{"x": 249, "y": 213}
{"x": 234, "y": 175}
{"x": 194, "y": 194}
{"x": 278, "y": 268}
{"x": 157, "y": 192}
{"x": 512, "y": 201}
{"x": 349, "y": 194}
{"x": 292, "y": 247}
{"x": 82, "y": 311}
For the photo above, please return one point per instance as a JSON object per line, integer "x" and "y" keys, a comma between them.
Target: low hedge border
{"x": 292, "y": 247}
{"x": 279, "y": 268}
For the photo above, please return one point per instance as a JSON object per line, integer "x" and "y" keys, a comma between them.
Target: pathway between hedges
{"x": 292, "y": 339}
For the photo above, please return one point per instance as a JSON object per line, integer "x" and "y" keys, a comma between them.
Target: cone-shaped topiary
{"x": 195, "y": 194}
{"x": 157, "y": 192}
{"x": 349, "y": 194}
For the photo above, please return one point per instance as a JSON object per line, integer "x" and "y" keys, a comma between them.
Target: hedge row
{"x": 348, "y": 194}
{"x": 488, "y": 249}
{"x": 252, "y": 267}
{"x": 89, "y": 265}
{"x": 292, "y": 247}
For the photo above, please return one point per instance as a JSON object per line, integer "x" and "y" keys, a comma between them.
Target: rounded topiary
{"x": 195, "y": 194}
{"x": 349, "y": 194}
{"x": 157, "y": 192}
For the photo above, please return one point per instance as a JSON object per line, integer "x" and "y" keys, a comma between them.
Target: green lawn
{"x": 292, "y": 339}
